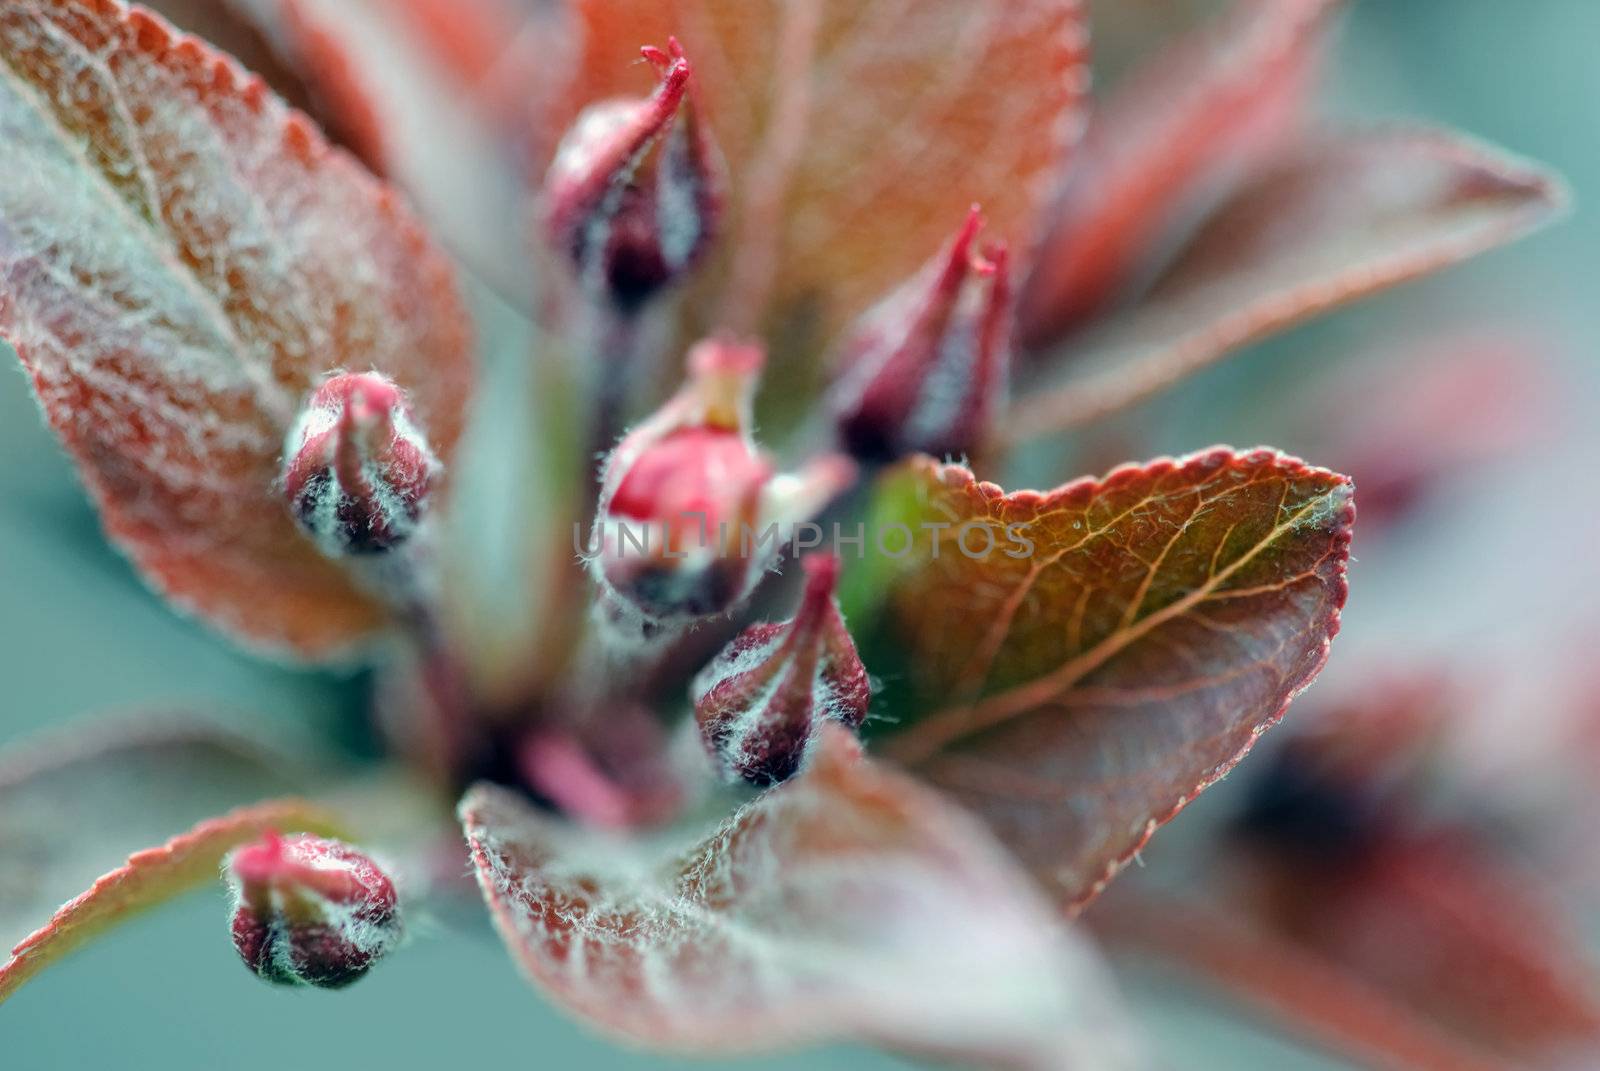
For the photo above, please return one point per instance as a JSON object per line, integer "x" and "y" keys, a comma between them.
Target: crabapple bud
{"x": 760, "y": 702}
{"x": 310, "y": 911}
{"x": 691, "y": 512}
{"x": 925, "y": 370}
{"x": 357, "y": 473}
{"x": 634, "y": 195}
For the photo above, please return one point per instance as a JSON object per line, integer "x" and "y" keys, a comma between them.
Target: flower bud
{"x": 357, "y": 473}
{"x": 634, "y": 194}
{"x": 925, "y": 370}
{"x": 760, "y": 703}
{"x": 310, "y": 911}
{"x": 691, "y": 512}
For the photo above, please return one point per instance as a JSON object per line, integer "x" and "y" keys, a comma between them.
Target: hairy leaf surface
{"x": 1079, "y": 692}
{"x": 181, "y": 258}
{"x": 850, "y": 902}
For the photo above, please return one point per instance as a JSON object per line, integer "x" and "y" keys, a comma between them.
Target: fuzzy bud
{"x": 760, "y": 703}
{"x": 634, "y": 194}
{"x": 357, "y": 473}
{"x": 310, "y": 911}
{"x": 691, "y": 511}
{"x": 926, "y": 369}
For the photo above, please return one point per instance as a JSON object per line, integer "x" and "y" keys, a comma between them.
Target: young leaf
{"x": 1463, "y": 936}
{"x": 1187, "y": 127}
{"x": 152, "y": 877}
{"x": 1077, "y": 666}
{"x": 228, "y": 25}
{"x": 73, "y": 805}
{"x": 1337, "y": 220}
{"x": 849, "y": 903}
{"x": 1295, "y": 989}
{"x": 855, "y": 134}
{"x": 181, "y": 258}
{"x": 440, "y": 92}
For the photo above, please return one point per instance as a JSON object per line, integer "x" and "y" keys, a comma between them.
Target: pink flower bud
{"x": 310, "y": 911}
{"x": 925, "y": 370}
{"x": 357, "y": 473}
{"x": 760, "y": 702}
{"x": 634, "y": 195}
{"x": 691, "y": 512}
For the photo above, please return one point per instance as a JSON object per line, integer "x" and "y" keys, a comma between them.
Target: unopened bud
{"x": 310, "y": 911}
{"x": 634, "y": 195}
{"x": 357, "y": 473}
{"x": 691, "y": 511}
{"x": 760, "y": 703}
{"x": 926, "y": 369}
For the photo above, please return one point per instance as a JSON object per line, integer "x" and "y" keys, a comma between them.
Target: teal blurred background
{"x": 80, "y": 636}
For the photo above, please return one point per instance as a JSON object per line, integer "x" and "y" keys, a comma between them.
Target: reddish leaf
{"x": 73, "y": 806}
{"x": 857, "y": 135}
{"x": 181, "y": 257}
{"x": 152, "y": 877}
{"x": 1080, "y": 692}
{"x": 1457, "y": 934}
{"x": 309, "y": 70}
{"x": 228, "y": 26}
{"x": 1339, "y": 219}
{"x": 1297, "y": 990}
{"x": 850, "y": 902}
{"x": 1347, "y": 851}
{"x": 443, "y": 90}
{"x": 1191, "y": 123}
{"x": 348, "y": 106}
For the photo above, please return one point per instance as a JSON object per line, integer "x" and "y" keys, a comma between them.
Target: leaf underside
{"x": 848, "y": 903}
{"x": 1078, "y": 696}
{"x": 181, "y": 258}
